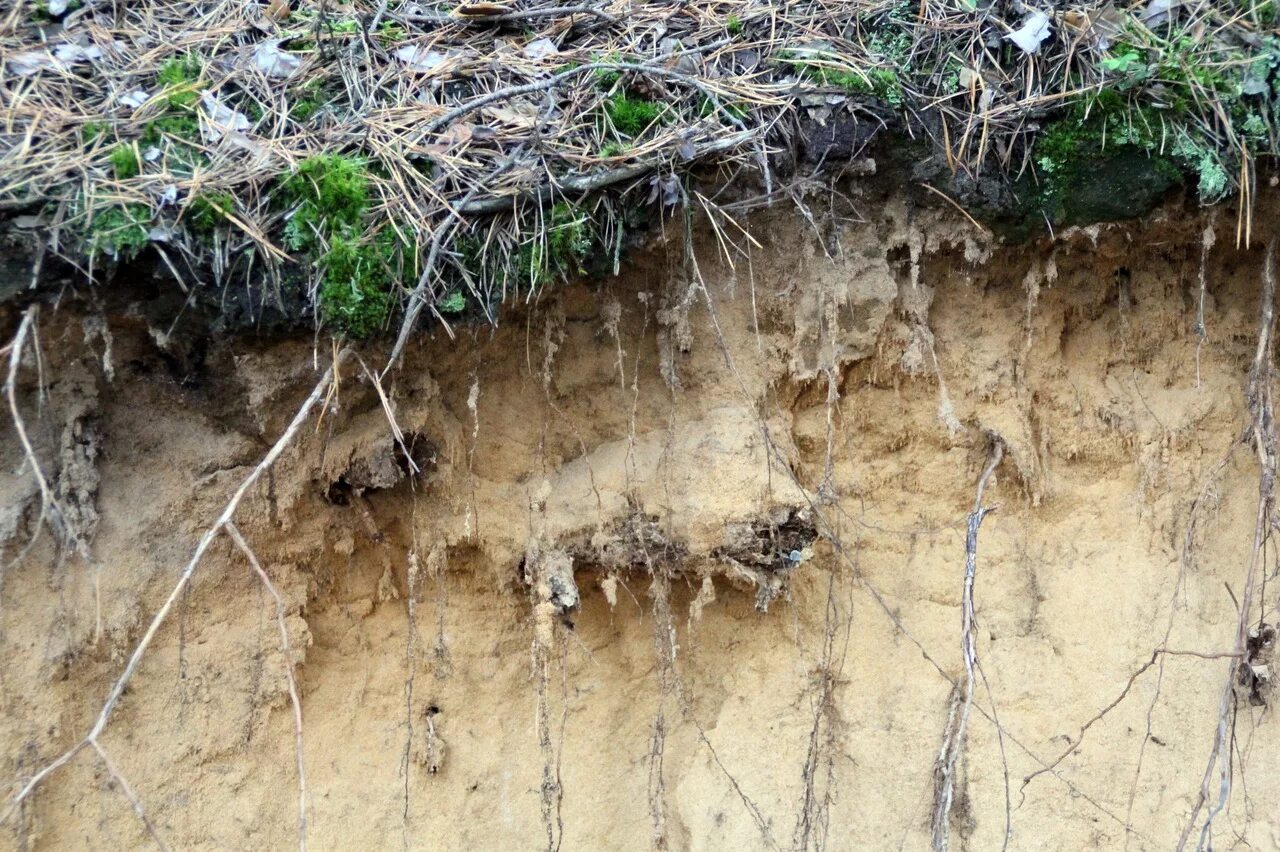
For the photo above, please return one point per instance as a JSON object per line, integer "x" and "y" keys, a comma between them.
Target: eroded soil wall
{"x": 673, "y": 434}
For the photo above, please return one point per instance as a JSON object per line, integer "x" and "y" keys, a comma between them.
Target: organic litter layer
{"x": 339, "y": 162}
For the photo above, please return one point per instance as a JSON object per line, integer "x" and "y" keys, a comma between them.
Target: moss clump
{"x": 882, "y": 81}
{"x": 631, "y": 116}
{"x": 179, "y": 77}
{"x": 558, "y": 251}
{"x": 733, "y": 24}
{"x": 125, "y": 162}
{"x": 355, "y": 290}
{"x": 330, "y": 193}
{"x": 390, "y": 33}
{"x": 92, "y": 131}
{"x": 120, "y": 232}
{"x": 183, "y": 126}
{"x": 330, "y": 199}
{"x": 454, "y": 303}
{"x": 206, "y": 212}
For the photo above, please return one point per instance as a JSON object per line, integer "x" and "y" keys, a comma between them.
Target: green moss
{"x": 733, "y": 24}
{"x": 881, "y": 82}
{"x": 307, "y": 100}
{"x": 558, "y": 252}
{"x": 180, "y": 79}
{"x": 330, "y": 199}
{"x": 454, "y": 303}
{"x": 183, "y": 125}
{"x": 390, "y": 33}
{"x": 330, "y": 193}
{"x": 607, "y": 78}
{"x": 613, "y": 149}
{"x": 119, "y": 232}
{"x": 1105, "y": 161}
{"x": 631, "y": 116}
{"x": 355, "y": 294}
{"x": 206, "y": 212}
{"x": 347, "y": 26}
{"x": 92, "y": 131}
{"x": 336, "y": 183}
{"x": 125, "y": 163}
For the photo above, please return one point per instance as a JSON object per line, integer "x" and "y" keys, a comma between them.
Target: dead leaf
{"x": 63, "y": 57}
{"x": 134, "y": 99}
{"x": 1106, "y": 25}
{"x": 419, "y": 58}
{"x": 1158, "y": 12}
{"x": 541, "y": 49}
{"x": 457, "y": 134}
{"x": 274, "y": 62}
{"x": 1035, "y": 29}
{"x": 516, "y": 114}
{"x": 223, "y": 121}
{"x": 278, "y": 10}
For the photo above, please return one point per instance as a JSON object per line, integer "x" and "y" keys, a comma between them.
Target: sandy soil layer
{"x": 655, "y": 446}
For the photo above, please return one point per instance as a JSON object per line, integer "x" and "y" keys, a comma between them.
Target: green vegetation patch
{"x": 329, "y": 197}
{"x": 631, "y": 115}
{"x": 120, "y": 232}
{"x": 180, "y": 79}
{"x": 125, "y": 162}
{"x": 207, "y": 212}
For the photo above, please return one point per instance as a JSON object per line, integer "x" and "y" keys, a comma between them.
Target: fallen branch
{"x": 584, "y": 184}
{"x": 508, "y": 17}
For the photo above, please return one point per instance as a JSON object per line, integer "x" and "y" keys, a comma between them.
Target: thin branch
{"x": 508, "y": 17}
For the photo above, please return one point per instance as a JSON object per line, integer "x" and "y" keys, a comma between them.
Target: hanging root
{"x": 51, "y": 511}
{"x": 1263, "y": 436}
{"x": 222, "y": 524}
{"x": 958, "y": 716}
{"x": 287, "y": 652}
{"x": 664, "y": 642}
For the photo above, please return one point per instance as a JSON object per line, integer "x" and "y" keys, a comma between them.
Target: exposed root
{"x": 1263, "y": 435}
{"x": 50, "y": 510}
{"x": 287, "y": 653}
{"x": 958, "y": 723}
{"x": 127, "y": 790}
{"x": 220, "y": 525}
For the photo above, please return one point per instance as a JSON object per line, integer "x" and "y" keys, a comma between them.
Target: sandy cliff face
{"x": 581, "y": 624}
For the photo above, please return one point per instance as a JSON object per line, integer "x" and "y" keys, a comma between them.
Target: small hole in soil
{"x": 432, "y": 710}
{"x": 421, "y": 451}
{"x": 338, "y": 493}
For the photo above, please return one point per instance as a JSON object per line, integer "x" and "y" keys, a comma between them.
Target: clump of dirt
{"x": 670, "y": 559}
